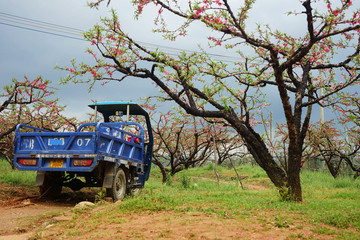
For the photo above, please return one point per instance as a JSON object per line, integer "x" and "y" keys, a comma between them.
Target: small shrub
{"x": 185, "y": 180}
{"x": 169, "y": 179}
{"x": 286, "y": 195}
{"x": 280, "y": 222}
{"x": 100, "y": 195}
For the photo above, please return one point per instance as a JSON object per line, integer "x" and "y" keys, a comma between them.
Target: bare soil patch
{"x": 176, "y": 225}
{"x": 22, "y": 210}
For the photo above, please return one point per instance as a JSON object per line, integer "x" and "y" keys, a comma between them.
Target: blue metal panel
{"x": 73, "y": 142}
{"x": 109, "y": 139}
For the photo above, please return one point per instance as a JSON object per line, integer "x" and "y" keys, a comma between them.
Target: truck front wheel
{"x": 118, "y": 189}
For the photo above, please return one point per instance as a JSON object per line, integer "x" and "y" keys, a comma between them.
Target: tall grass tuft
{"x": 185, "y": 180}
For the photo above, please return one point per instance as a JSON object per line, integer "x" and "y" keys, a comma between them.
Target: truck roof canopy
{"x": 111, "y": 108}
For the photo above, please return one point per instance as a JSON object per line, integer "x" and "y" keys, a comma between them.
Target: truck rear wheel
{"x": 119, "y": 185}
{"x": 52, "y": 185}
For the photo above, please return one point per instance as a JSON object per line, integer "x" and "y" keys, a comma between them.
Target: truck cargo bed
{"x": 43, "y": 150}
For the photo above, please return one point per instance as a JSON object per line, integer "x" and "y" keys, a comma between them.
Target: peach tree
{"x": 292, "y": 65}
{"x": 29, "y": 102}
{"x": 183, "y": 141}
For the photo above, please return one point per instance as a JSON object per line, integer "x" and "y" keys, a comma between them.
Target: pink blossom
{"x": 336, "y": 12}
{"x": 217, "y": 2}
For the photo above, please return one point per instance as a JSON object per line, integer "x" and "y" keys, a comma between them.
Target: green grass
{"x": 330, "y": 210}
{"x": 330, "y": 207}
{"x": 15, "y": 177}
{"x": 332, "y": 201}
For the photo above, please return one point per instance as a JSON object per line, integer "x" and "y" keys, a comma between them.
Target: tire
{"x": 119, "y": 186}
{"x": 52, "y": 185}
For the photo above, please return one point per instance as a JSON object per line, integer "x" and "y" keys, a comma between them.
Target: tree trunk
{"x": 162, "y": 169}
{"x": 293, "y": 192}
{"x": 259, "y": 151}
{"x": 334, "y": 170}
{"x": 237, "y": 174}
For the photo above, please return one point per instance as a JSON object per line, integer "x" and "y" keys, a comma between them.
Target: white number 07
{"x": 80, "y": 142}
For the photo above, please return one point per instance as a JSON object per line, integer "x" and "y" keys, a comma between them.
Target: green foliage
{"x": 286, "y": 194}
{"x": 185, "y": 180}
{"x": 100, "y": 195}
{"x": 169, "y": 179}
{"x": 210, "y": 167}
{"x": 281, "y": 222}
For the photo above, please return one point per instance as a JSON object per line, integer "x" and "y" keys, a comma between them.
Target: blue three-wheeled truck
{"x": 113, "y": 154}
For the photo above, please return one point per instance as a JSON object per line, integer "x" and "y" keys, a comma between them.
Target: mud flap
{"x": 40, "y": 176}
{"x": 109, "y": 175}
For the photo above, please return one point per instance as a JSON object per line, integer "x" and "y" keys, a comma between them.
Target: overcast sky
{"x": 32, "y": 53}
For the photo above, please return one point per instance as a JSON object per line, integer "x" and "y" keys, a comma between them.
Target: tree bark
{"x": 259, "y": 151}
{"x": 162, "y": 169}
